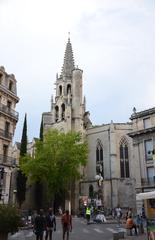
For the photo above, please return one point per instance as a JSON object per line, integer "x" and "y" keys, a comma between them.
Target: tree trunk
{"x": 3, "y": 236}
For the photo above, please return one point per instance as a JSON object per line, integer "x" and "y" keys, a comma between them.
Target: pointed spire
{"x": 68, "y": 64}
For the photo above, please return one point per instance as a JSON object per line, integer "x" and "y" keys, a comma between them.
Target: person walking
{"x": 50, "y": 224}
{"x": 130, "y": 225}
{"x": 88, "y": 213}
{"x": 66, "y": 221}
{"x": 118, "y": 214}
{"x": 39, "y": 225}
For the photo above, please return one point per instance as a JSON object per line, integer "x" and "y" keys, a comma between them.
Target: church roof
{"x": 68, "y": 64}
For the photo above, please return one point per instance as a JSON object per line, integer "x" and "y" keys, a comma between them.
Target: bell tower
{"x": 67, "y": 108}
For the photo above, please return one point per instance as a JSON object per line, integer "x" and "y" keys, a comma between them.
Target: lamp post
{"x": 14, "y": 196}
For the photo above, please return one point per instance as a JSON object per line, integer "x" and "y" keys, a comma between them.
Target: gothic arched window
{"x": 99, "y": 159}
{"x": 124, "y": 159}
{"x": 56, "y": 113}
{"x": 60, "y": 90}
{"x": 63, "y": 111}
{"x": 68, "y": 89}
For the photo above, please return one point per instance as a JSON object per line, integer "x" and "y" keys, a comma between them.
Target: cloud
{"x": 113, "y": 42}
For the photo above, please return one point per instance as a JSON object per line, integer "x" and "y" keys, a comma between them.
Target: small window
{"x": 60, "y": 90}
{"x": 148, "y": 144}
{"x": 63, "y": 111}
{"x": 5, "y": 152}
{"x": 7, "y": 127}
{"x": 150, "y": 174}
{"x": 11, "y": 86}
{"x": 9, "y": 104}
{"x": 68, "y": 89}
{"x": 1, "y": 76}
{"x": 56, "y": 113}
{"x": 147, "y": 123}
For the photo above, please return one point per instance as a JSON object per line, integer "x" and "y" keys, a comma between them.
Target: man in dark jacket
{"x": 39, "y": 225}
{"x": 50, "y": 224}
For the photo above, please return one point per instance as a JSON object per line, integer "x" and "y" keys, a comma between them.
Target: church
{"x": 110, "y": 177}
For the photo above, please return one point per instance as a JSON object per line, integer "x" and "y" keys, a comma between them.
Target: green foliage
{"x": 57, "y": 160}
{"x": 9, "y": 219}
{"x": 23, "y": 148}
{"x": 21, "y": 178}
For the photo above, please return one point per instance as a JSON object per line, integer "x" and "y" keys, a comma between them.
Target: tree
{"x": 38, "y": 188}
{"x": 57, "y": 160}
{"x": 21, "y": 177}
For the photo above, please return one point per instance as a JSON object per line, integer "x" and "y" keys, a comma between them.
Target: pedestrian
{"x": 88, "y": 213}
{"x": 130, "y": 225}
{"x": 139, "y": 224}
{"x": 50, "y": 224}
{"x": 66, "y": 221}
{"x": 130, "y": 212}
{"x": 39, "y": 225}
{"x": 118, "y": 214}
{"x": 60, "y": 210}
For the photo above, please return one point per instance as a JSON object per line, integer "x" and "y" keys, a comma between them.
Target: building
{"x": 143, "y": 136}
{"x": 68, "y": 107}
{"x": 110, "y": 160}
{"x": 110, "y": 175}
{"x": 8, "y": 121}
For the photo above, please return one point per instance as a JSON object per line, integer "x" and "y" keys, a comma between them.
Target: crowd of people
{"x": 44, "y": 224}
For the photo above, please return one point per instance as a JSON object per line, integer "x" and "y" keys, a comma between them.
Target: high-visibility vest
{"x": 88, "y": 211}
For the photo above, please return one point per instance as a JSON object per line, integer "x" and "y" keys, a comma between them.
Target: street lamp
{"x": 14, "y": 196}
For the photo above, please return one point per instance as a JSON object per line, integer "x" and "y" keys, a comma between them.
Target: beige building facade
{"x": 8, "y": 121}
{"x": 143, "y": 136}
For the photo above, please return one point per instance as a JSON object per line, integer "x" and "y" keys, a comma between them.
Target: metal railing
{"x": 7, "y": 160}
{"x": 9, "y": 111}
{"x": 6, "y": 134}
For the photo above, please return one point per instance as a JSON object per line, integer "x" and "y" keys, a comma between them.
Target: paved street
{"x": 81, "y": 231}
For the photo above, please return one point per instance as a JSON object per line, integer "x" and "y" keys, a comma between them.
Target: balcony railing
{"x": 9, "y": 111}
{"x": 148, "y": 182}
{"x": 7, "y": 160}
{"x": 5, "y": 134}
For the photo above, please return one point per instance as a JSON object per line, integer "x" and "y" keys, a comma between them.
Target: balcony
{"x": 5, "y": 134}
{"x": 9, "y": 92}
{"x": 6, "y": 160}
{"x": 148, "y": 182}
{"x": 5, "y": 109}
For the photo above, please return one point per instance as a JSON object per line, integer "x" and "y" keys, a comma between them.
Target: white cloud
{"x": 113, "y": 42}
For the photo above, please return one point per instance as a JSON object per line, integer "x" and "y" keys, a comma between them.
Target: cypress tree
{"x": 21, "y": 178}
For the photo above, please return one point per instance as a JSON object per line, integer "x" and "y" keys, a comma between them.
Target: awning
{"x": 146, "y": 195}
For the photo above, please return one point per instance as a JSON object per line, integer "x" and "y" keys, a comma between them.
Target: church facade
{"x": 110, "y": 174}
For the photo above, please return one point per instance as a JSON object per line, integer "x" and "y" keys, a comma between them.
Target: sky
{"x": 113, "y": 43}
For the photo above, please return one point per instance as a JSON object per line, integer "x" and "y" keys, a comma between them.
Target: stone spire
{"x": 68, "y": 64}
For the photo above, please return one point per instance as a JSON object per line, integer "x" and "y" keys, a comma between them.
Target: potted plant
{"x": 10, "y": 220}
